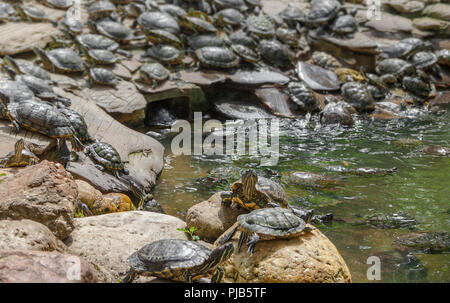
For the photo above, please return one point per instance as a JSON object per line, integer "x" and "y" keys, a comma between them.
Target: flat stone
{"x": 359, "y": 42}
{"x": 316, "y": 77}
{"x": 390, "y": 23}
{"x": 258, "y": 77}
{"x": 201, "y": 78}
{"x": 438, "y": 10}
{"x": 275, "y": 101}
{"x": 430, "y": 24}
{"x": 106, "y": 241}
{"x": 406, "y": 6}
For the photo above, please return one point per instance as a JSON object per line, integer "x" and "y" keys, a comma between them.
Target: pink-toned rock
{"x": 43, "y": 267}
{"x": 44, "y": 193}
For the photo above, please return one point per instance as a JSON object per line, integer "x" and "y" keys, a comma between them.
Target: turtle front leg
{"x": 129, "y": 277}
{"x": 251, "y": 243}
{"x": 226, "y": 197}
{"x": 242, "y": 238}
{"x": 16, "y": 126}
{"x": 218, "y": 275}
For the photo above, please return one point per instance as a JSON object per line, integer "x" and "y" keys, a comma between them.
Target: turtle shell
{"x": 229, "y": 16}
{"x": 325, "y": 60}
{"x": 241, "y": 37}
{"x": 102, "y": 76}
{"x": 33, "y": 12}
{"x": 220, "y": 57}
{"x": 236, "y": 4}
{"x": 12, "y": 91}
{"x": 443, "y": 56}
{"x": 26, "y": 67}
{"x": 158, "y": 20}
{"x": 94, "y": 41}
{"x": 271, "y": 223}
{"x": 106, "y": 155}
{"x": 275, "y": 53}
{"x": 303, "y": 96}
{"x": 102, "y": 56}
{"x": 41, "y": 117}
{"x": 245, "y": 53}
{"x": 165, "y": 53}
{"x": 169, "y": 258}
{"x": 199, "y": 41}
{"x": 78, "y": 123}
{"x": 26, "y": 158}
{"x": 100, "y": 9}
{"x": 322, "y": 11}
{"x": 173, "y": 10}
{"x": 40, "y": 88}
{"x": 61, "y": 4}
{"x": 154, "y": 71}
{"x": 114, "y": 30}
{"x": 394, "y": 66}
{"x": 66, "y": 60}
{"x": 424, "y": 60}
{"x": 260, "y": 26}
{"x": 198, "y": 25}
{"x": 344, "y": 25}
{"x": 164, "y": 37}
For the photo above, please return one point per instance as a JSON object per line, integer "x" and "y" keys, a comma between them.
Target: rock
{"x": 406, "y": 6}
{"x": 390, "y": 23}
{"x": 438, "y": 11}
{"x": 316, "y": 77}
{"x": 201, "y": 78}
{"x": 309, "y": 258}
{"x": 310, "y": 179}
{"x": 106, "y": 241}
{"x": 257, "y": 78}
{"x": 359, "y": 42}
{"x": 44, "y": 193}
{"x": 28, "y": 235}
{"x": 211, "y": 218}
{"x": 43, "y": 267}
{"x": 430, "y": 24}
{"x": 275, "y": 100}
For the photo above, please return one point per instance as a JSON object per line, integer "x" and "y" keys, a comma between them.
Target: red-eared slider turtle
{"x": 358, "y": 96}
{"x": 344, "y": 25}
{"x": 338, "y": 112}
{"x": 32, "y": 14}
{"x": 25, "y": 67}
{"x": 71, "y": 25}
{"x": 229, "y": 18}
{"x": 101, "y": 9}
{"x": 12, "y": 91}
{"x": 266, "y": 224}
{"x": 216, "y": 57}
{"x": 303, "y": 97}
{"x": 197, "y": 25}
{"x": 260, "y": 26}
{"x": 60, "y": 60}
{"x": 106, "y": 157}
{"x": 245, "y": 53}
{"x": 394, "y": 67}
{"x": 152, "y": 73}
{"x": 405, "y": 48}
{"x": 292, "y": 15}
{"x": 443, "y": 56}
{"x": 275, "y": 53}
{"x": 325, "y": 60}
{"x": 322, "y": 11}
{"x": 199, "y": 41}
{"x": 59, "y": 4}
{"x": 178, "y": 260}
{"x": 158, "y": 20}
{"x": 101, "y": 76}
{"x": 100, "y": 56}
{"x": 113, "y": 30}
{"x": 94, "y": 41}
{"x": 416, "y": 86}
{"x": 241, "y": 37}
{"x": 160, "y": 36}
{"x": 19, "y": 157}
{"x": 253, "y": 192}
{"x": 78, "y": 123}
{"x": 236, "y": 4}
{"x": 165, "y": 53}
{"x": 426, "y": 60}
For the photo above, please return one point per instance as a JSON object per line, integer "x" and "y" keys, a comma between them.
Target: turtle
{"x": 78, "y": 123}
{"x": 405, "y": 48}
{"x": 101, "y": 76}
{"x": 275, "y": 53}
{"x": 60, "y": 60}
{"x": 112, "y": 29}
{"x": 288, "y": 36}
{"x": 394, "y": 67}
{"x": 100, "y": 56}
{"x": 133, "y": 10}
{"x": 358, "y": 96}
{"x": 32, "y": 14}
{"x": 266, "y": 224}
{"x": 160, "y": 36}
{"x": 443, "y": 56}
{"x": 178, "y": 260}
{"x": 106, "y": 157}
{"x": 158, "y": 20}
{"x": 325, "y": 60}
{"x": 165, "y": 53}
{"x": 152, "y": 73}
{"x": 253, "y": 192}
{"x": 260, "y": 27}
{"x": 71, "y": 25}
{"x": 216, "y": 57}
{"x": 6, "y": 12}
{"x": 426, "y": 60}
{"x": 292, "y": 15}
{"x": 229, "y": 18}
{"x": 245, "y": 53}
{"x": 19, "y": 157}
{"x": 236, "y": 4}
{"x": 344, "y": 25}
{"x": 172, "y": 10}
{"x": 337, "y": 112}
{"x": 197, "y": 25}
{"x": 25, "y": 67}
{"x": 241, "y": 37}
{"x": 322, "y": 11}
{"x": 44, "y": 118}
{"x": 100, "y": 9}
{"x": 12, "y": 91}
{"x": 303, "y": 97}
{"x": 198, "y": 41}
{"x": 94, "y": 41}
{"x": 416, "y": 86}
{"x": 58, "y": 4}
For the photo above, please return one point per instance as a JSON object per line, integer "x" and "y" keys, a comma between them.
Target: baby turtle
{"x": 245, "y": 53}
{"x": 19, "y": 157}
{"x": 253, "y": 192}
{"x": 21, "y": 67}
{"x": 6, "y": 12}
{"x": 216, "y": 57}
{"x": 60, "y": 60}
{"x": 113, "y": 30}
{"x": 322, "y": 11}
{"x": 288, "y": 36}
{"x": 416, "y": 86}
{"x": 344, "y": 25}
{"x": 325, "y": 60}
{"x": 172, "y": 10}
{"x": 275, "y": 53}
{"x": 32, "y": 14}
{"x": 101, "y": 9}
{"x": 358, "y": 96}
{"x": 100, "y": 56}
{"x": 241, "y": 37}
{"x": 303, "y": 97}
{"x": 236, "y": 4}
{"x": 165, "y": 53}
{"x": 260, "y": 26}
{"x": 160, "y": 36}
{"x": 198, "y": 41}
{"x": 405, "y": 48}
{"x": 197, "y": 25}
{"x": 394, "y": 67}
{"x": 106, "y": 157}
{"x": 101, "y": 76}
{"x": 292, "y": 15}
{"x": 158, "y": 20}
{"x": 12, "y": 91}
{"x": 229, "y": 18}
{"x": 443, "y": 56}
{"x": 266, "y": 224}
{"x": 71, "y": 25}
{"x": 94, "y": 41}
{"x": 152, "y": 73}
{"x": 178, "y": 260}
{"x": 426, "y": 60}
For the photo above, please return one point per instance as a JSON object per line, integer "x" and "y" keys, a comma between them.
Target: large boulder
{"x": 106, "y": 241}
{"x": 211, "y": 218}
{"x": 28, "y": 235}
{"x": 43, "y": 267}
{"x": 44, "y": 193}
{"x": 309, "y": 258}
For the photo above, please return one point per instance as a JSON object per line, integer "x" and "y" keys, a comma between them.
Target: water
{"x": 420, "y": 187}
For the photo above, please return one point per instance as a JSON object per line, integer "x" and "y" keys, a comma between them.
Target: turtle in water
{"x": 266, "y": 224}
{"x": 178, "y": 260}
{"x": 19, "y": 157}
{"x": 253, "y": 192}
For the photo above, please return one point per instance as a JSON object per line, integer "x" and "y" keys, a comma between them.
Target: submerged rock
{"x": 310, "y": 179}
{"x": 424, "y": 242}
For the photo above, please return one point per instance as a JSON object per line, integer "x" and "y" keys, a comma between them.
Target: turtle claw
{"x": 251, "y": 243}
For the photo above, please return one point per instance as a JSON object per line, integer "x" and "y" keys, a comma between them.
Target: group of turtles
{"x": 270, "y": 217}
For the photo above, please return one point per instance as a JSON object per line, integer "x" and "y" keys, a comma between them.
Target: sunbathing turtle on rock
{"x": 19, "y": 157}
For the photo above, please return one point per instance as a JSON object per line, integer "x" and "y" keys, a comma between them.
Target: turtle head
{"x": 18, "y": 148}
{"x": 43, "y": 56}
{"x": 11, "y": 72}
{"x": 219, "y": 255}
{"x": 249, "y": 180}
{"x": 11, "y": 63}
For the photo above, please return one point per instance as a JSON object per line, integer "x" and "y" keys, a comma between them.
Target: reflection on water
{"x": 419, "y": 188}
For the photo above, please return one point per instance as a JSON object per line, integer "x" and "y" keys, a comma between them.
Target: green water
{"x": 420, "y": 187}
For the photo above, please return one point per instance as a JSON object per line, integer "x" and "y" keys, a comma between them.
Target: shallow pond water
{"x": 419, "y": 188}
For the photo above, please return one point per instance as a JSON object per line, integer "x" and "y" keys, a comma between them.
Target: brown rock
{"x": 43, "y": 267}
{"x": 44, "y": 193}
{"x": 120, "y": 202}
{"x": 93, "y": 198}
{"x": 211, "y": 218}
{"x": 309, "y": 258}
{"x": 28, "y": 235}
